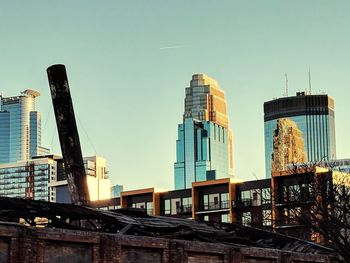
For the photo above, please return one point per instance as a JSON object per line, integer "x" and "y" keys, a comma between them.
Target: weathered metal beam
{"x": 68, "y": 134}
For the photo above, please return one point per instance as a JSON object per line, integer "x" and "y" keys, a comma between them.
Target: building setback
{"x": 204, "y": 144}
{"x": 298, "y": 129}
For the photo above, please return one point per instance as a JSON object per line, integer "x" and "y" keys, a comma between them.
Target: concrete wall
{"x": 29, "y": 244}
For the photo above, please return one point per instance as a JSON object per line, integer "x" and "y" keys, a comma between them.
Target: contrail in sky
{"x": 171, "y": 47}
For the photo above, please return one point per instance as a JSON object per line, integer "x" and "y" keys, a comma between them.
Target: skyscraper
{"x": 298, "y": 129}
{"x": 204, "y": 145}
{"x": 20, "y": 128}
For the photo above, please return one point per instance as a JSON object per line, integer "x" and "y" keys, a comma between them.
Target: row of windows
{"x": 256, "y": 197}
{"x": 224, "y": 218}
{"x": 248, "y": 220}
{"x": 148, "y": 206}
{"x": 215, "y": 201}
{"x": 177, "y": 205}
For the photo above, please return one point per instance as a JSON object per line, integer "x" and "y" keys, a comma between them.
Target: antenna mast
{"x": 309, "y": 81}
{"x": 285, "y": 74}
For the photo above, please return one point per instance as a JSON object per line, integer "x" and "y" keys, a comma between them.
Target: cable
{"x": 90, "y": 141}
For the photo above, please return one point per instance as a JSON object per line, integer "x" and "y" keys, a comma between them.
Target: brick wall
{"x": 29, "y": 244}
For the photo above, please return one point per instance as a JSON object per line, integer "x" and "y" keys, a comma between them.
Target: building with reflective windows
{"x": 29, "y": 179}
{"x": 204, "y": 144}
{"x": 20, "y": 128}
{"x": 116, "y": 190}
{"x": 43, "y": 178}
{"x": 298, "y": 129}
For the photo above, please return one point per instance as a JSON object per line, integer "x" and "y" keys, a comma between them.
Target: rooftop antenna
{"x": 285, "y": 74}
{"x": 309, "y": 81}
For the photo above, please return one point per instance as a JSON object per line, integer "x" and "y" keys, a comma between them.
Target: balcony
{"x": 184, "y": 209}
{"x": 214, "y": 206}
{"x": 246, "y": 202}
{"x": 293, "y": 200}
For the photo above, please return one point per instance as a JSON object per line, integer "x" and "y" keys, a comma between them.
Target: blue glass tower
{"x": 20, "y": 133}
{"x": 204, "y": 145}
{"x": 307, "y": 125}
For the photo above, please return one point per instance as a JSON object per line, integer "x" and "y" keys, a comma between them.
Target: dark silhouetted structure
{"x": 68, "y": 134}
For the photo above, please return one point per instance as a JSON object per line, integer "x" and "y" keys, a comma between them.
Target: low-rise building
{"x": 269, "y": 203}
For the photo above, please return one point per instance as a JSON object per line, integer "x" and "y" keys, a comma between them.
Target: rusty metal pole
{"x": 68, "y": 134}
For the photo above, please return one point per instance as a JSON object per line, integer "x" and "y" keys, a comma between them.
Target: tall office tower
{"x": 20, "y": 128}
{"x": 204, "y": 145}
{"x": 298, "y": 129}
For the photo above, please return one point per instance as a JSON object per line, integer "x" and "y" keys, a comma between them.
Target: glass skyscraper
{"x": 298, "y": 129}
{"x": 20, "y": 128}
{"x": 204, "y": 144}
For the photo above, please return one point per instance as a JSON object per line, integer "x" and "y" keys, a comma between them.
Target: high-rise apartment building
{"x": 97, "y": 178}
{"x": 43, "y": 178}
{"x": 204, "y": 144}
{"x": 298, "y": 129}
{"x": 20, "y": 128}
{"x": 29, "y": 179}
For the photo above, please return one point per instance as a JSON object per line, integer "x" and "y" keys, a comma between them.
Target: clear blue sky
{"x": 128, "y": 90}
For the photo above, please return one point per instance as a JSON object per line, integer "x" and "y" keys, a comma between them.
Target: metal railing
{"x": 184, "y": 209}
{"x": 215, "y": 206}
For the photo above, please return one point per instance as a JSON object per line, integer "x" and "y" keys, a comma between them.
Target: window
{"x": 175, "y": 205}
{"x": 178, "y": 206}
{"x": 267, "y": 217}
{"x": 251, "y": 197}
{"x": 214, "y": 201}
{"x": 245, "y": 195}
{"x": 306, "y": 192}
{"x": 224, "y": 200}
{"x": 205, "y": 202}
{"x": 294, "y": 192}
{"x": 225, "y": 218}
{"x": 149, "y": 208}
{"x": 245, "y": 198}
{"x": 187, "y": 204}
{"x": 285, "y": 194}
{"x": 246, "y": 218}
{"x": 256, "y": 196}
{"x": 141, "y": 205}
{"x": 294, "y": 215}
{"x": 167, "y": 207}
{"x": 266, "y": 195}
